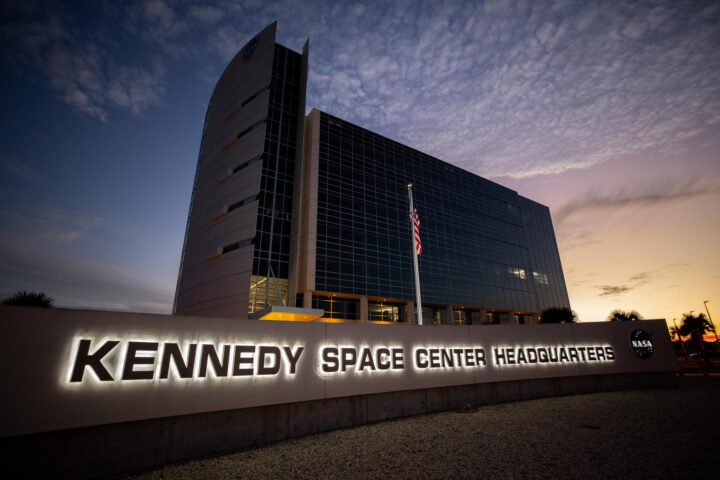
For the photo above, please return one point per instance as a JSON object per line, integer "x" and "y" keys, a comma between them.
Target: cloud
{"x": 79, "y": 65}
{"x": 134, "y": 88}
{"x": 158, "y": 22}
{"x": 521, "y": 91}
{"x": 36, "y": 229}
{"x": 51, "y": 249}
{"x": 638, "y": 194}
{"x": 502, "y": 88}
{"x": 17, "y": 169}
{"x": 205, "y": 13}
{"x": 82, "y": 283}
{"x": 641, "y": 279}
{"x": 575, "y": 235}
{"x": 613, "y": 290}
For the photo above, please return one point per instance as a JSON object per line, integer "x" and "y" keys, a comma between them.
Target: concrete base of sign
{"x": 130, "y": 446}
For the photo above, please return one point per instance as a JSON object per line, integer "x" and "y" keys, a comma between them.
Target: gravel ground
{"x": 662, "y": 433}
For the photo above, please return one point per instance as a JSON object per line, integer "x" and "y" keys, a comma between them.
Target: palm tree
{"x": 675, "y": 334}
{"x": 558, "y": 315}
{"x": 696, "y": 326}
{"x": 624, "y": 316}
{"x": 29, "y": 299}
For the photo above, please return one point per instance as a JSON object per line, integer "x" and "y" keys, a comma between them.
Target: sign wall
{"x": 74, "y": 368}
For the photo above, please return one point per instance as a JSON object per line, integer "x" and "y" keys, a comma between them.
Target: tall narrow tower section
{"x": 237, "y": 242}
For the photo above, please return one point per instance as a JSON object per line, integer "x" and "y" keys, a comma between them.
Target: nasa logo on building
{"x": 641, "y": 343}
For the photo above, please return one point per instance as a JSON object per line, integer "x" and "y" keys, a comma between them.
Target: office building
{"x": 238, "y": 229}
{"x": 313, "y": 212}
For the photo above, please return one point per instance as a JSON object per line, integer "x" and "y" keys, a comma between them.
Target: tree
{"x": 624, "y": 316}
{"x": 29, "y": 299}
{"x": 675, "y": 334}
{"x": 557, "y": 315}
{"x": 695, "y": 326}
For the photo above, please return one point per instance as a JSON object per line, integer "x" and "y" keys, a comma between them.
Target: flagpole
{"x": 415, "y": 256}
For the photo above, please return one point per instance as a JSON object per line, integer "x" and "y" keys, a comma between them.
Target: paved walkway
{"x": 663, "y": 433}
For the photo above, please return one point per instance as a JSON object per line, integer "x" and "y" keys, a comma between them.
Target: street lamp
{"x": 711, "y": 321}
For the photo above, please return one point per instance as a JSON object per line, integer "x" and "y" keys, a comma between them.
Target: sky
{"x": 606, "y": 112}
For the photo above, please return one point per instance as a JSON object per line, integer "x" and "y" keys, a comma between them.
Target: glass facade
{"x": 483, "y": 244}
{"x": 488, "y": 254}
{"x": 272, "y": 240}
{"x": 545, "y": 264}
{"x": 337, "y": 308}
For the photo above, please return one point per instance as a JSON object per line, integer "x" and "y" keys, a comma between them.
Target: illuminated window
{"x": 276, "y": 291}
{"x": 385, "y": 312}
{"x": 338, "y": 308}
{"x": 465, "y": 317}
{"x": 541, "y": 278}
{"x": 517, "y": 272}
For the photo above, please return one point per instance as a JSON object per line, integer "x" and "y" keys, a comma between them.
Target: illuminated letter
{"x": 348, "y": 357}
{"x": 421, "y": 363}
{"x": 263, "y": 353}
{"x": 554, "y": 354}
{"x": 330, "y": 362}
{"x": 480, "y": 357}
{"x": 563, "y": 355}
{"x": 383, "y": 364}
{"x": 521, "y": 356}
{"x": 510, "y": 355}
{"x": 240, "y": 360}
{"x": 83, "y": 359}
{"x": 573, "y": 354}
{"x": 397, "y": 359}
{"x": 532, "y": 356}
{"x": 469, "y": 358}
{"x": 366, "y": 359}
{"x": 446, "y": 357}
{"x": 131, "y": 359}
{"x": 498, "y": 356}
{"x": 185, "y": 369}
{"x": 293, "y": 359}
{"x": 610, "y": 353}
{"x": 600, "y": 353}
{"x": 434, "y": 357}
{"x": 582, "y": 353}
{"x": 458, "y": 356}
{"x": 542, "y": 355}
{"x": 591, "y": 354}
{"x": 208, "y": 353}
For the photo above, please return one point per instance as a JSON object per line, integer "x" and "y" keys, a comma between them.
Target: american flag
{"x": 416, "y": 230}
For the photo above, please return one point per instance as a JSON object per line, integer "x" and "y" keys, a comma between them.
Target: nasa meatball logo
{"x": 641, "y": 343}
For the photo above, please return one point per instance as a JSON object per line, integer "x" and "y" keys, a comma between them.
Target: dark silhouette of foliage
{"x": 557, "y": 315}
{"x": 624, "y": 316}
{"x": 696, "y": 326}
{"x": 675, "y": 334}
{"x": 29, "y": 299}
